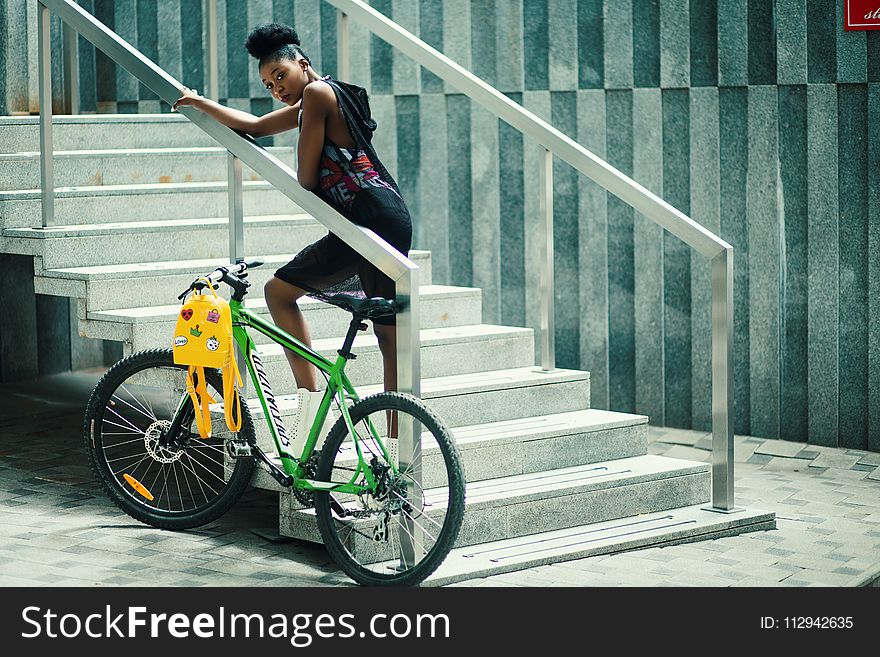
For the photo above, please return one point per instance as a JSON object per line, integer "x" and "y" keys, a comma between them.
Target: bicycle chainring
{"x": 310, "y": 468}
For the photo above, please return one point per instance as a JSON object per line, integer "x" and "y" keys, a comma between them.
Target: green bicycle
{"x": 388, "y": 509}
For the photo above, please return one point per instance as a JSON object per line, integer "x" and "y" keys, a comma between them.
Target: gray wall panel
{"x": 852, "y": 143}
{"x": 734, "y": 163}
{"x": 705, "y": 184}
{"x": 617, "y": 37}
{"x": 704, "y": 42}
{"x": 591, "y": 44}
{"x": 793, "y": 212}
{"x": 821, "y": 41}
{"x": 873, "y": 267}
{"x": 677, "y": 262}
{"x": 823, "y": 246}
{"x": 648, "y": 257}
{"x": 621, "y": 284}
{"x": 485, "y": 211}
{"x": 593, "y": 233}
{"x": 675, "y": 65}
{"x": 852, "y": 52}
{"x": 431, "y": 227}
{"x": 646, "y": 43}
{"x": 563, "y": 45}
{"x": 764, "y": 250}
{"x": 733, "y": 44}
{"x": 791, "y": 41}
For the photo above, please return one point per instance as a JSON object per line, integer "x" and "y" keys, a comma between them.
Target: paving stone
{"x": 834, "y": 460}
{"x": 780, "y": 448}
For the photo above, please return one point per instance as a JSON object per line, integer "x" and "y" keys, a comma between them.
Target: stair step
{"x": 526, "y": 445}
{"x": 172, "y": 239}
{"x": 144, "y": 328}
{"x": 157, "y": 283}
{"x": 467, "y": 399}
{"x": 21, "y": 171}
{"x": 79, "y": 132}
{"x": 685, "y": 524}
{"x": 445, "y": 351}
{"x": 119, "y": 204}
{"x": 521, "y": 505}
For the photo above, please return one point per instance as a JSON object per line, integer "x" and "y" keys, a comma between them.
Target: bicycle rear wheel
{"x": 176, "y": 486}
{"x": 400, "y": 535}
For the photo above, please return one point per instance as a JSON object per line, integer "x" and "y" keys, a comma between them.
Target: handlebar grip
{"x": 253, "y": 264}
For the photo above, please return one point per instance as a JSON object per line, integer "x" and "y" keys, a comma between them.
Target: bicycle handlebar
{"x": 227, "y": 274}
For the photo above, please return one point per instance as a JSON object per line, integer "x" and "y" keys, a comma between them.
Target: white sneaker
{"x": 307, "y": 403}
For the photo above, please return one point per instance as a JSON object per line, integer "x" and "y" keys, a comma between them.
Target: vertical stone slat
{"x": 431, "y": 226}
{"x": 192, "y": 51}
{"x": 458, "y": 172}
{"x": 618, "y": 44}
{"x": 764, "y": 267}
{"x": 593, "y": 241}
{"x": 431, "y": 32}
{"x": 591, "y": 44}
{"x": 676, "y": 262}
{"x": 762, "y": 43}
{"x": 794, "y": 407}
{"x": 621, "y": 285}
{"x": 563, "y": 45}
{"x": 675, "y": 65}
{"x": 409, "y": 157}
{"x": 457, "y": 34}
{"x": 733, "y": 44}
{"x": 734, "y": 155}
{"x": 566, "y": 250}
{"x": 704, "y": 43}
{"x": 171, "y": 43}
{"x": 705, "y": 209}
{"x": 821, "y": 41}
{"x": 511, "y": 191}
{"x": 791, "y": 41}
{"x": 648, "y": 256}
{"x": 823, "y": 272}
{"x": 852, "y": 51}
{"x": 646, "y": 43}
{"x": 873, "y": 267}
{"x": 852, "y": 144}
{"x": 405, "y": 76}
{"x": 484, "y": 211}
{"x": 536, "y": 46}
{"x": 125, "y": 25}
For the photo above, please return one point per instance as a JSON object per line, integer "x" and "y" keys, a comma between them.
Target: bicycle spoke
{"x": 134, "y": 408}
{"x": 148, "y": 409}
{"x": 199, "y": 480}
{"x": 130, "y": 424}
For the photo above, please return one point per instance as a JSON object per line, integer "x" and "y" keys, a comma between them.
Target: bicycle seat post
{"x": 356, "y": 325}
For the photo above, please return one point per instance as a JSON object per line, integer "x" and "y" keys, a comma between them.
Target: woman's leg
{"x": 281, "y": 297}
{"x": 387, "y": 337}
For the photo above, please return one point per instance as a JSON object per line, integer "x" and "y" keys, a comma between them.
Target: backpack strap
{"x": 231, "y": 396}
{"x": 201, "y": 399}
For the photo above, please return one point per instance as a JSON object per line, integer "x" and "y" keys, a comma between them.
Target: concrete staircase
{"x": 549, "y": 479}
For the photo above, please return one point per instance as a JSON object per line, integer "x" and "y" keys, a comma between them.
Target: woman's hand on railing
{"x": 188, "y": 97}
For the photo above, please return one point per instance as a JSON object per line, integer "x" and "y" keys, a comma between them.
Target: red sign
{"x": 861, "y": 15}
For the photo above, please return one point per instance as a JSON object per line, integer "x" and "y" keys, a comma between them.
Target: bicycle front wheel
{"x": 172, "y": 485}
{"x": 402, "y": 533}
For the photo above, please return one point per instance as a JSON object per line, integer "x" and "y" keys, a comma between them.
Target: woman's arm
{"x": 258, "y": 126}
{"x": 317, "y": 102}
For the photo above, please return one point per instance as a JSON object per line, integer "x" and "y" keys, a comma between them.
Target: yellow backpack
{"x": 203, "y": 338}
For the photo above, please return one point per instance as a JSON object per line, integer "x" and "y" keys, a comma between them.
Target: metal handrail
{"x": 555, "y": 143}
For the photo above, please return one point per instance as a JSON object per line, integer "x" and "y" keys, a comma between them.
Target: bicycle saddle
{"x": 365, "y": 307}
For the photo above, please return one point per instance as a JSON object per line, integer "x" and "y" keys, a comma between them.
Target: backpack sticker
{"x": 186, "y": 313}
{"x": 195, "y": 331}
{"x": 213, "y": 343}
{"x": 180, "y": 340}
{"x": 213, "y": 316}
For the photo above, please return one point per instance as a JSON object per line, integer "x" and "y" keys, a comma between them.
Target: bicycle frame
{"x": 338, "y": 384}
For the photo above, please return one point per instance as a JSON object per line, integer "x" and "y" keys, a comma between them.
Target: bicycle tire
{"x": 141, "y": 366}
{"x": 365, "y": 569}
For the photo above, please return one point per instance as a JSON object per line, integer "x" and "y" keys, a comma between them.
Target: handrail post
{"x": 213, "y": 81}
{"x": 342, "y": 34}
{"x": 47, "y": 174}
{"x": 548, "y": 299}
{"x": 409, "y": 452}
{"x": 722, "y": 382}
{"x": 71, "y": 70}
{"x": 236, "y": 235}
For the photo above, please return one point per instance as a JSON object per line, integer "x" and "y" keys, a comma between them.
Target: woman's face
{"x": 285, "y": 79}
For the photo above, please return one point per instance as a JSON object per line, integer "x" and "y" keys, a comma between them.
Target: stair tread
{"x": 681, "y": 524}
{"x": 158, "y": 225}
{"x": 523, "y": 488}
{"x": 123, "y": 152}
{"x": 135, "y": 189}
{"x": 164, "y": 313}
{"x": 168, "y": 267}
{"x": 458, "y": 384}
{"x": 73, "y": 119}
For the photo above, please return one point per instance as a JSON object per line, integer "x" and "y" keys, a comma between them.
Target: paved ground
{"x": 58, "y": 529}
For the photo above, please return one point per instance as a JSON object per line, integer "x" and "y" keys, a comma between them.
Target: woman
{"x": 337, "y": 162}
